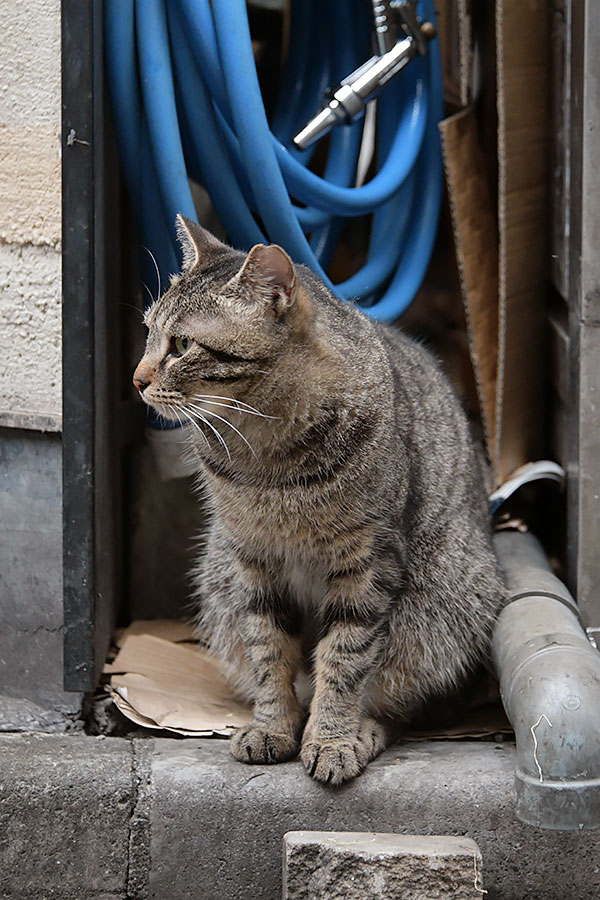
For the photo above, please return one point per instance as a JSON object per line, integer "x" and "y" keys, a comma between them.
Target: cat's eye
{"x": 182, "y": 345}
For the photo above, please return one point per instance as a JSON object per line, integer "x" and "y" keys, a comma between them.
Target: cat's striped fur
{"x": 350, "y": 533}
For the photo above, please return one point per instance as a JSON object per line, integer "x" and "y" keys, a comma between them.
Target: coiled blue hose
{"x": 186, "y": 102}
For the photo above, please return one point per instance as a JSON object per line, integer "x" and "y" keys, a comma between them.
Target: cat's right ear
{"x": 196, "y": 242}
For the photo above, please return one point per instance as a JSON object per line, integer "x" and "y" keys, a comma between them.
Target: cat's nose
{"x": 142, "y": 377}
{"x": 139, "y": 384}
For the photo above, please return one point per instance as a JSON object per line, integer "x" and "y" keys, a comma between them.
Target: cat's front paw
{"x": 335, "y": 760}
{"x": 255, "y": 744}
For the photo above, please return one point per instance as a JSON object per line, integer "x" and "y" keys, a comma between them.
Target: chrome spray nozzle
{"x": 355, "y": 91}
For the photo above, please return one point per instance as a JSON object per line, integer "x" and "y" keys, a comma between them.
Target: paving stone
{"x": 355, "y": 865}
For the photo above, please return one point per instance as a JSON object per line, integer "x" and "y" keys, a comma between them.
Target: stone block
{"x": 355, "y": 865}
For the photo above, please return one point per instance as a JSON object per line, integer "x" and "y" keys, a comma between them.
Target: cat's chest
{"x": 286, "y": 530}
{"x": 292, "y": 524}
{"x": 290, "y": 516}
{"x": 305, "y": 580}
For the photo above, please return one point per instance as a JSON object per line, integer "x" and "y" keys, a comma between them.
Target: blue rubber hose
{"x": 391, "y": 220}
{"x": 255, "y": 139}
{"x": 345, "y": 140}
{"x": 209, "y": 150}
{"x": 186, "y": 99}
{"x": 132, "y": 137}
{"x": 426, "y": 204}
{"x": 160, "y": 112}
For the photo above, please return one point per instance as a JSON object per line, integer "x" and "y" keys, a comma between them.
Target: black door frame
{"x": 89, "y": 285}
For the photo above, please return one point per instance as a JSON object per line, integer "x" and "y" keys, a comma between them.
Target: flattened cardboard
{"x": 167, "y": 683}
{"x": 503, "y": 262}
{"x": 162, "y": 684}
{"x": 476, "y": 244}
{"x": 454, "y": 32}
{"x": 523, "y": 40}
{"x": 174, "y": 630}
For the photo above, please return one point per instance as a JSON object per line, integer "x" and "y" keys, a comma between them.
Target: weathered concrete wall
{"x": 31, "y": 603}
{"x": 30, "y": 214}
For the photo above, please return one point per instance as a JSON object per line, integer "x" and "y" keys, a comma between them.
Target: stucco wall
{"x": 30, "y": 213}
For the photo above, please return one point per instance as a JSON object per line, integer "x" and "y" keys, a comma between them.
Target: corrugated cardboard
{"x": 503, "y": 259}
{"x": 523, "y": 79}
{"x": 160, "y": 681}
{"x": 476, "y": 240}
{"x": 454, "y": 32}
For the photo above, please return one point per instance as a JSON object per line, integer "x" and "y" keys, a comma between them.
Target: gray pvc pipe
{"x": 549, "y": 677}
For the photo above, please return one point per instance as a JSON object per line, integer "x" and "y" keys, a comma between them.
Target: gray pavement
{"x": 84, "y": 817}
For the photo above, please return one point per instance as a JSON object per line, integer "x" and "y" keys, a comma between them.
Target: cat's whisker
{"x": 182, "y": 424}
{"x": 173, "y": 410}
{"x": 150, "y": 294}
{"x": 249, "y": 412}
{"x": 237, "y": 404}
{"x": 177, "y": 414}
{"x": 231, "y": 400}
{"x": 131, "y": 306}
{"x": 155, "y": 266}
{"x": 218, "y": 435}
{"x": 195, "y": 424}
{"x": 221, "y": 419}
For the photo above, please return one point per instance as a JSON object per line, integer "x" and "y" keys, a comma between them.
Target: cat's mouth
{"x": 168, "y": 406}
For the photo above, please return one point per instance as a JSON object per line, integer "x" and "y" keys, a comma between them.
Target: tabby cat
{"x": 349, "y": 534}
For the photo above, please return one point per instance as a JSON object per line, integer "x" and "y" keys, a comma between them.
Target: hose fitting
{"x": 354, "y": 92}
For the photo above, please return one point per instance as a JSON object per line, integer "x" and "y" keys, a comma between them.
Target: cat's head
{"x": 223, "y": 324}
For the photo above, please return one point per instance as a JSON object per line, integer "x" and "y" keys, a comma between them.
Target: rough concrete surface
{"x": 65, "y": 805}
{"x": 227, "y": 820}
{"x": 30, "y": 213}
{"x": 30, "y": 330}
{"x": 17, "y": 714}
{"x": 31, "y": 602}
{"x": 168, "y": 819}
{"x": 354, "y": 865}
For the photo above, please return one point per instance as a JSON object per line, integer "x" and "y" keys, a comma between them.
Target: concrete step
{"x": 107, "y": 818}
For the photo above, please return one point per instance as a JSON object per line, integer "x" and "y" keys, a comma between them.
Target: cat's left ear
{"x": 196, "y": 242}
{"x": 269, "y": 275}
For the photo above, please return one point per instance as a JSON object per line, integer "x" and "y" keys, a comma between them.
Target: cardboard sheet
{"x": 160, "y": 682}
{"x": 476, "y": 245}
{"x": 523, "y": 79}
{"x": 502, "y": 255}
{"x": 162, "y": 679}
{"x": 454, "y": 32}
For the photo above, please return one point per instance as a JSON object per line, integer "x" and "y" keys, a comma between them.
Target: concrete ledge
{"x": 65, "y": 805}
{"x": 227, "y": 820}
{"x": 84, "y": 818}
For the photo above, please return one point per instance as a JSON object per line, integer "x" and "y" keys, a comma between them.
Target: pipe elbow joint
{"x": 550, "y": 684}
